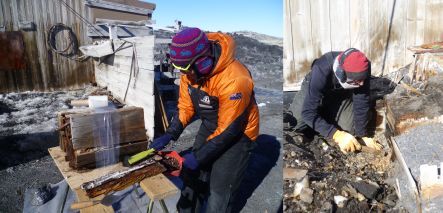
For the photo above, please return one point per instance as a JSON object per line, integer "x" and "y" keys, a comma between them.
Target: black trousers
{"x": 215, "y": 183}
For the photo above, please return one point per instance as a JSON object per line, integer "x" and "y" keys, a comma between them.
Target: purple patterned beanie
{"x": 188, "y": 44}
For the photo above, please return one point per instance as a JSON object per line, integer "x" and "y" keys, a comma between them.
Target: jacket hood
{"x": 227, "y": 55}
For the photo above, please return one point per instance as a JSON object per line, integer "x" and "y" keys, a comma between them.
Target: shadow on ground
{"x": 263, "y": 158}
{"x": 22, "y": 148}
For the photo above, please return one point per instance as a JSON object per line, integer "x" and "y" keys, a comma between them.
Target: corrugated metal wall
{"x": 383, "y": 29}
{"x": 43, "y": 70}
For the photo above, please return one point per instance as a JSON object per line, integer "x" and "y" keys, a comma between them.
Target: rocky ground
{"x": 357, "y": 178}
{"x": 27, "y": 129}
{"x": 320, "y": 178}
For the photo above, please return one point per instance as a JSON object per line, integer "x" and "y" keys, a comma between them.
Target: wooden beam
{"x": 122, "y": 31}
{"x": 118, "y": 7}
{"x": 119, "y": 180}
{"x": 123, "y": 22}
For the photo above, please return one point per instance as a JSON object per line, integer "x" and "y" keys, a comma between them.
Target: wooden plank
{"x": 98, "y": 50}
{"x": 340, "y": 35}
{"x": 378, "y": 34}
{"x": 434, "y": 20}
{"x": 301, "y": 32}
{"x": 411, "y": 29}
{"x": 90, "y": 140}
{"x": 415, "y": 110}
{"x": 421, "y": 20}
{"x": 289, "y": 73}
{"x": 395, "y": 55}
{"x": 75, "y": 178}
{"x": 87, "y": 115}
{"x": 359, "y": 25}
{"x": 2, "y": 17}
{"x": 123, "y": 22}
{"x": 120, "y": 180}
{"x": 117, "y": 83}
{"x": 124, "y": 63}
{"x": 321, "y": 40}
{"x": 158, "y": 187}
{"x": 118, "y": 7}
{"x": 101, "y": 30}
{"x": 15, "y": 15}
{"x": 99, "y": 208}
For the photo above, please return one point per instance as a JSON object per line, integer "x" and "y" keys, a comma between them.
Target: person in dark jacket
{"x": 219, "y": 90}
{"x": 334, "y": 99}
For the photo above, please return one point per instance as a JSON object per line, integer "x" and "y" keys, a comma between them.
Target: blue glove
{"x": 160, "y": 142}
{"x": 190, "y": 161}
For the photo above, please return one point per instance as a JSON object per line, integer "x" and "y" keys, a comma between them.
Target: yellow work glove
{"x": 346, "y": 141}
{"x": 371, "y": 143}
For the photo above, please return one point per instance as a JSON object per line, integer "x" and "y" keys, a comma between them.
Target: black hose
{"x": 71, "y": 51}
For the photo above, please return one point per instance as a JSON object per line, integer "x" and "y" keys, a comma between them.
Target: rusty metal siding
{"x": 45, "y": 70}
{"x": 383, "y": 29}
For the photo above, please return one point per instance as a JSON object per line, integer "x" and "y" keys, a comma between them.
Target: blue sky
{"x": 262, "y": 16}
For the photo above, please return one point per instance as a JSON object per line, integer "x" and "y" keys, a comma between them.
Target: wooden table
{"x": 157, "y": 187}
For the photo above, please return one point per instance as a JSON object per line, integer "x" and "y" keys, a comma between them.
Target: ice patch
{"x": 261, "y": 104}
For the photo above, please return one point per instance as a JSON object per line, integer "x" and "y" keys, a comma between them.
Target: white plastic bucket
{"x": 98, "y": 101}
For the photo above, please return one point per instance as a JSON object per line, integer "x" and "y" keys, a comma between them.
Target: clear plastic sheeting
{"x": 107, "y": 137}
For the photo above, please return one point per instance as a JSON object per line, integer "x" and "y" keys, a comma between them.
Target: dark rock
{"x": 370, "y": 191}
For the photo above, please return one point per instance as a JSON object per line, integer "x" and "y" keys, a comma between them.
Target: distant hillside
{"x": 267, "y": 39}
{"x": 263, "y": 60}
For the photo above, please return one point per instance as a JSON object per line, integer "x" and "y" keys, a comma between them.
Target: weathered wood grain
{"x": 45, "y": 70}
{"x": 122, "y": 126}
{"x": 312, "y": 25}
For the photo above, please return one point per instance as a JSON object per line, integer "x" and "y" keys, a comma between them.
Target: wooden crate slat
{"x": 125, "y": 137}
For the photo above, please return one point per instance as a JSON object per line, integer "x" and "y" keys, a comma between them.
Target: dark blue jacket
{"x": 323, "y": 84}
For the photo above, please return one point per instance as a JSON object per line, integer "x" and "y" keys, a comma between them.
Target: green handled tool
{"x": 139, "y": 156}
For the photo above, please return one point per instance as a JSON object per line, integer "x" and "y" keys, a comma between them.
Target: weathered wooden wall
{"x": 43, "y": 69}
{"x": 138, "y": 88}
{"x": 382, "y": 29}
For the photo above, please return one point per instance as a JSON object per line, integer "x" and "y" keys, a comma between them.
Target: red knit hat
{"x": 355, "y": 64}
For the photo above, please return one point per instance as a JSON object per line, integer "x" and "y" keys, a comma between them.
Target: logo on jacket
{"x": 235, "y": 96}
{"x": 206, "y": 100}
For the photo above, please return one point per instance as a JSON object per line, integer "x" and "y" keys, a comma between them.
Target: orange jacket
{"x": 224, "y": 101}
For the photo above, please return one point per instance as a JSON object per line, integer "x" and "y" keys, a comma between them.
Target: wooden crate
{"x": 86, "y": 133}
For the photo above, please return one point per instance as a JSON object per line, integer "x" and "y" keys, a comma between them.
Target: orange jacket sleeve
{"x": 184, "y": 113}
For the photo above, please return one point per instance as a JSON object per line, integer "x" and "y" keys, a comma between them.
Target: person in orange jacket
{"x": 219, "y": 90}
